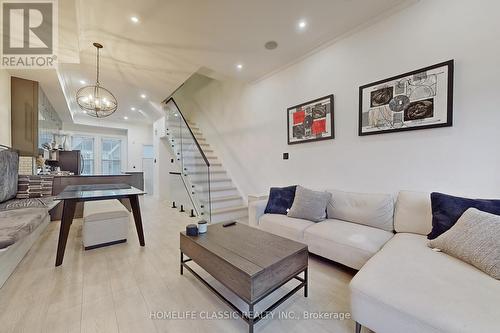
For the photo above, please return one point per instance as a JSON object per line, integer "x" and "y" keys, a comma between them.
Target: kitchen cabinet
{"x": 24, "y": 116}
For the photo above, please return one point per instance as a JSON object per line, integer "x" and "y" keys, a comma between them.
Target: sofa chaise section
{"x": 408, "y": 287}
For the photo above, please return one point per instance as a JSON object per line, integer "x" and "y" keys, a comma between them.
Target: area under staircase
{"x": 212, "y": 191}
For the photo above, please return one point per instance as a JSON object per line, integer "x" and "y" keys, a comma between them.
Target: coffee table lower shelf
{"x": 251, "y": 318}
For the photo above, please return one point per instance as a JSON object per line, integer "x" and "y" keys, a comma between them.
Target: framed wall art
{"x": 416, "y": 100}
{"x": 311, "y": 121}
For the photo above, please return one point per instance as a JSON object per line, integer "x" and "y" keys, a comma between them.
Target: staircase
{"x": 215, "y": 197}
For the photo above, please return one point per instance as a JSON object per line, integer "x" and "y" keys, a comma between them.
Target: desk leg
{"x": 136, "y": 210}
{"x": 67, "y": 219}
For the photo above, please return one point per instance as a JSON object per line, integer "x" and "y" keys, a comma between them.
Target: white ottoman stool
{"x": 105, "y": 223}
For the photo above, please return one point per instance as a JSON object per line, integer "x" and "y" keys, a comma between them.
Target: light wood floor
{"x": 115, "y": 289}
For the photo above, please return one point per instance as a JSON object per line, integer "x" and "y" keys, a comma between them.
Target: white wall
{"x": 247, "y": 124}
{"x": 5, "y": 138}
{"x": 138, "y": 136}
{"x": 162, "y": 166}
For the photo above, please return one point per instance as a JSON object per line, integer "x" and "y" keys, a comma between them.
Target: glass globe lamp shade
{"x": 97, "y": 101}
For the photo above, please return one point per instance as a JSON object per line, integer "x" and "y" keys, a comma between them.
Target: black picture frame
{"x": 449, "y": 100}
{"x": 331, "y": 122}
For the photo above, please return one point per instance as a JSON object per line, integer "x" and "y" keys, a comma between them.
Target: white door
{"x": 148, "y": 168}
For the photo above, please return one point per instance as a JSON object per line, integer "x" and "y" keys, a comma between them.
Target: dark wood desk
{"x": 250, "y": 262}
{"x": 81, "y": 193}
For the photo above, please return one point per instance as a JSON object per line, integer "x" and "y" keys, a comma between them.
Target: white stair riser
{"x": 204, "y": 177}
{"x": 188, "y": 141}
{"x": 216, "y": 193}
{"x": 175, "y": 124}
{"x": 216, "y": 218}
{"x": 195, "y": 155}
{"x": 190, "y": 161}
{"x": 185, "y": 135}
{"x": 201, "y": 168}
{"x": 221, "y": 173}
{"x": 213, "y": 185}
{"x": 188, "y": 145}
{"x": 227, "y": 203}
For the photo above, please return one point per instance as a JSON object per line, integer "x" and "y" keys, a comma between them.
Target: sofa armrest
{"x": 255, "y": 211}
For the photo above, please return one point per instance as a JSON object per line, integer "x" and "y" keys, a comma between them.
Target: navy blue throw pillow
{"x": 447, "y": 209}
{"x": 280, "y": 200}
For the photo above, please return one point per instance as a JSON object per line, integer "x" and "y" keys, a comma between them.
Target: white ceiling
{"x": 175, "y": 38}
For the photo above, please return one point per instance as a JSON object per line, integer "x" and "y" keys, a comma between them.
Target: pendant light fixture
{"x": 96, "y": 100}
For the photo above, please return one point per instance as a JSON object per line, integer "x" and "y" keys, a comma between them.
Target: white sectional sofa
{"x": 402, "y": 284}
{"x": 357, "y": 227}
{"x": 408, "y": 287}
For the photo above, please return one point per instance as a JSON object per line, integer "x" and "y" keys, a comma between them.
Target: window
{"x": 85, "y": 144}
{"x": 111, "y": 156}
{"x": 44, "y": 137}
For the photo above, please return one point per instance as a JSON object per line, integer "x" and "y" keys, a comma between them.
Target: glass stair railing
{"x": 194, "y": 164}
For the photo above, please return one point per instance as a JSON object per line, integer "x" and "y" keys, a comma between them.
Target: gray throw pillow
{"x": 475, "y": 240}
{"x": 309, "y": 205}
{"x": 9, "y": 165}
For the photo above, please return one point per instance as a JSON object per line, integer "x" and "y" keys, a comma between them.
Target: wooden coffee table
{"x": 250, "y": 262}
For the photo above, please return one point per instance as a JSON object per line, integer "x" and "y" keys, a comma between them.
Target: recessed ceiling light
{"x": 134, "y": 19}
{"x": 125, "y": 117}
{"x": 239, "y": 67}
{"x": 83, "y": 82}
{"x": 143, "y": 96}
{"x": 132, "y": 108}
{"x": 302, "y": 24}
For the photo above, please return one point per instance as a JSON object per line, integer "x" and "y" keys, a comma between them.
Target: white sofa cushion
{"x": 374, "y": 210}
{"x": 407, "y": 287}
{"x": 413, "y": 213}
{"x": 284, "y": 226}
{"x": 348, "y": 243}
